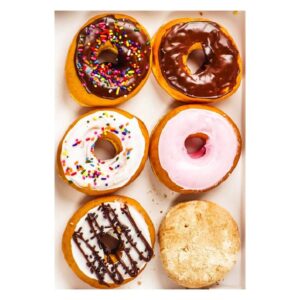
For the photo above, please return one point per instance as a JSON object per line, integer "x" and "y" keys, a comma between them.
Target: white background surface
{"x": 150, "y": 104}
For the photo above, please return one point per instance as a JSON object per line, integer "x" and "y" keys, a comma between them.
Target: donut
{"x": 122, "y": 70}
{"x": 194, "y": 148}
{"x": 220, "y": 67}
{"x": 109, "y": 241}
{"x": 199, "y": 243}
{"x": 76, "y": 160}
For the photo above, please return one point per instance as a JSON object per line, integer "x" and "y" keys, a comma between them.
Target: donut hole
{"x": 196, "y": 61}
{"x": 104, "y": 149}
{"x": 112, "y": 245}
{"x": 195, "y": 145}
{"x": 108, "y": 56}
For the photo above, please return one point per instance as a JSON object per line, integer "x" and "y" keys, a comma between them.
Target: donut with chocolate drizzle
{"x": 109, "y": 241}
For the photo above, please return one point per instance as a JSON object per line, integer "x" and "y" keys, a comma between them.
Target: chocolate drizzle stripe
{"x": 107, "y": 210}
{"x": 148, "y": 249}
{"x": 91, "y": 220}
{"x": 122, "y": 238}
{"x": 91, "y": 264}
{"x": 129, "y": 238}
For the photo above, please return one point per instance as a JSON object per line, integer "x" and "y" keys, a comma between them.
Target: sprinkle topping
{"x": 78, "y": 159}
{"x": 116, "y": 77}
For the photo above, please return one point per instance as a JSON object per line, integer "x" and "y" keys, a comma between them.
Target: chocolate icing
{"x": 109, "y": 243}
{"x": 119, "y": 240}
{"x": 216, "y": 76}
{"x": 119, "y": 77}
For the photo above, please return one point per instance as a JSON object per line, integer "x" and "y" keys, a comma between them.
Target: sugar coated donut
{"x": 194, "y": 148}
{"x": 220, "y": 68}
{"x": 199, "y": 243}
{"x": 76, "y": 159}
{"x": 109, "y": 241}
{"x": 119, "y": 74}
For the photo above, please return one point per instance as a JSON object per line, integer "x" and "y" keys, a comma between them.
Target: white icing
{"x": 141, "y": 224}
{"x": 104, "y": 174}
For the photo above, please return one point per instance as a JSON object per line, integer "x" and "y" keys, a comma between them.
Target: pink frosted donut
{"x": 194, "y": 148}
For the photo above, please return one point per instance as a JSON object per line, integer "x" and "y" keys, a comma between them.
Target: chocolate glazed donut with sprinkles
{"x": 109, "y": 61}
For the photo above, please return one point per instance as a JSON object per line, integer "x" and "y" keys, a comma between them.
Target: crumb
{"x": 139, "y": 282}
{"x": 161, "y": 211}
{"x": 235, "y": 12}
{"x": 165, "y": 195}
{"x": 200, "y": 13}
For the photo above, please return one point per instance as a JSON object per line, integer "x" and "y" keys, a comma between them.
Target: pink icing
{"x": 196, "y": 172}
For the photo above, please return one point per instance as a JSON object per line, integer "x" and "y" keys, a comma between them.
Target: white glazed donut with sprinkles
{"x": 77, "y": 163}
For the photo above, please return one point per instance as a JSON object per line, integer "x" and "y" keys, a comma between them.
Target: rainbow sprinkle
{"x": 111, "y": 79}
{"x": 90, "y": 168}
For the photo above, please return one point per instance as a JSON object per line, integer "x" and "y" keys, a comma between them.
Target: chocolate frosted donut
{"x": 219, "y": 72}
{"x": 108, "y": 61}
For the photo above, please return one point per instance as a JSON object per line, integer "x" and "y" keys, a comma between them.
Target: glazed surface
{"x": 118, "y": 78}
{"x": 111, "y": 243}
{"x": 80, "y": 165}
{"x": 220, "y": 148}
{"x": 218, "y": 74}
